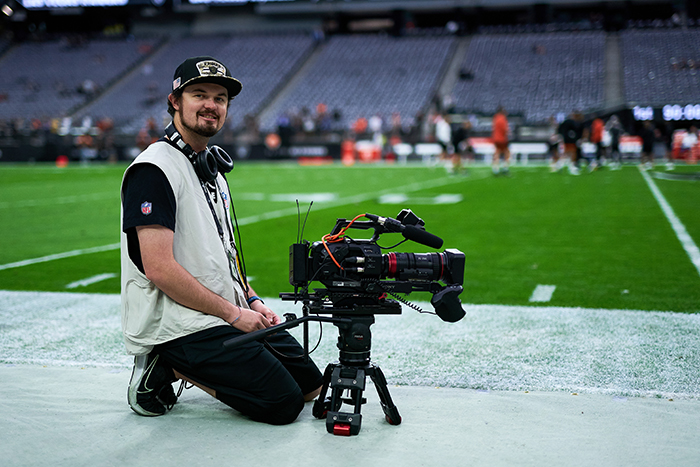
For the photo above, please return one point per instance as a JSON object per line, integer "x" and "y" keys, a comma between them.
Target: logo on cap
{"x": 211, "y": 68}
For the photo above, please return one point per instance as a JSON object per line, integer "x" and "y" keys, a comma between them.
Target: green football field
{"x": 608, "y": 239}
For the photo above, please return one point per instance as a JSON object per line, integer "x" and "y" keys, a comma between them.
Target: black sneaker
{"x": 167, "y": 396}
{"x": 150, "y": 389}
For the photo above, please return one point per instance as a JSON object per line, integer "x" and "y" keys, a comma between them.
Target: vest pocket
{"x": 143, "y": 310}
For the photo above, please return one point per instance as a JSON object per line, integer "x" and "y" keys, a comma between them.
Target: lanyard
{"x": 231, "y": 258}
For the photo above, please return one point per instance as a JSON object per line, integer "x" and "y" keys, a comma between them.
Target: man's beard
{"x": 201, "y": 130}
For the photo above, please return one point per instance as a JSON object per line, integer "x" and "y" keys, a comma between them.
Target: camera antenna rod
{"x": 300, "y": 231}
{"x": 305, "y": 219}
{"x": 298, "y": 220}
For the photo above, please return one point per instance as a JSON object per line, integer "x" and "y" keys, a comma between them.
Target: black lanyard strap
{"x": 242, "y": 281}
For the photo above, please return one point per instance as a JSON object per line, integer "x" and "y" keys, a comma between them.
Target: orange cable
{"x": 336, "y": 238}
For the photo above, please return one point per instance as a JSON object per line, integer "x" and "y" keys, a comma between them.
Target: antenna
{"x": 305, "y": 219}
{"x": 298, "y": 221}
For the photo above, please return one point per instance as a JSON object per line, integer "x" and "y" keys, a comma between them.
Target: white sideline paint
{"x": 495, "y": 347}
{"x": 67, "y": 254}
{"x": 683, "y": 236}
{"x": 91, "y": 280}
{"x": 543, "y": 293}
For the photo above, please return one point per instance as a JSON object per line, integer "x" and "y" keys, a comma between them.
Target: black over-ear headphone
{"x": 207, "y": 163}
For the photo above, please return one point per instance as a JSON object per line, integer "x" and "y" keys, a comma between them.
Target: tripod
{"x": 350, "y": 374}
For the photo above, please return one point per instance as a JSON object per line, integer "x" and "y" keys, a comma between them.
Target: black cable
{"x": 239, "y": 250}
{"x": 297, "y": 357}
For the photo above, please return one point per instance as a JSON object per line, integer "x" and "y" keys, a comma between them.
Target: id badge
{"x": 233, "y": 261}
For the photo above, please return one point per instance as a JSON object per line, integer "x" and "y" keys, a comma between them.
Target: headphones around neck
{"x": 207, "y": 163}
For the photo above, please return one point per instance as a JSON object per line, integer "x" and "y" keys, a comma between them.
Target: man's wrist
{"x": 240, "y": 313}
{"x": 253, "y": 299}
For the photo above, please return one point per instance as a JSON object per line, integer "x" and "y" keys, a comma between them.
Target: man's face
{"x": 202, "y": 108}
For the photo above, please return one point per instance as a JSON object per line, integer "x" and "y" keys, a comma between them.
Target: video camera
{"x": 354, "y": 271}
{"x": 358, "y": 278}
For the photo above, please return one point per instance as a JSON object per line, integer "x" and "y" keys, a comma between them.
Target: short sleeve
{"x": 148, "y": 198}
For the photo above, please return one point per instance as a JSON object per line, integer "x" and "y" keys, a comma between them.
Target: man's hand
{"x": 271, "y": 316}
{"x": 156, "y": 244}
{"x": 251, "y": 320}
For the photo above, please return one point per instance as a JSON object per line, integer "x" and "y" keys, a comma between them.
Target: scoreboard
{"x": 667, "y": 113}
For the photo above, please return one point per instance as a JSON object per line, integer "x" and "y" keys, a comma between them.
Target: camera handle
{"x": 380, "y": 225}
{"x": 290, "y": 323}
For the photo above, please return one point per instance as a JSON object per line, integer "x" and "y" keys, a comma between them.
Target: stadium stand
{"x": 365, "y": 75}
{"x": 537, "y": 75}
{"x": 532, "y": 71}
{"x": 261, "y": 63}
{"x": 48, "y": 79}
{"x": 661, "y": 66}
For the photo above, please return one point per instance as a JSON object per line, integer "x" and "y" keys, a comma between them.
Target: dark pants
{"x": 264, "y": 380}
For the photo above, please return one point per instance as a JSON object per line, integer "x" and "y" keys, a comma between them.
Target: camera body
{"x": 357, "y": 275}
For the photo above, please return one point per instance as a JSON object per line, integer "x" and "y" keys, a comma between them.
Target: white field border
{"x": 511, "y": 348}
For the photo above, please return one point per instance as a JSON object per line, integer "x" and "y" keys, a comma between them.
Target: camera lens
{"x": 414, "y": 266}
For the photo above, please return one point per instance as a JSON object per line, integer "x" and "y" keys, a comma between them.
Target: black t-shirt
{"x": 571, "y": 131}
{"x": 148, "y": 199}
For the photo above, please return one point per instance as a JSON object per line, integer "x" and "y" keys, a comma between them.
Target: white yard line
{"x": 327, "y": 203}
{"x": 28, "y": 203}
{"x": 67, "y": 254}
{"x": 686, "y": 240}
{"x": 352, "y": 199}
{"x": 91, "y": 280}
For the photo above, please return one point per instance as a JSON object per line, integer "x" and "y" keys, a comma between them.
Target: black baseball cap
{"x": 205, "y": 69}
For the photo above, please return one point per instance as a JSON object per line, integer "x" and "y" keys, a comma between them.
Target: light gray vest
{"x": 150, "y": 317}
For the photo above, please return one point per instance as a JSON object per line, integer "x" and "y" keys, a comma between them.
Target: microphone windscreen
{"x": 417, "y": 235}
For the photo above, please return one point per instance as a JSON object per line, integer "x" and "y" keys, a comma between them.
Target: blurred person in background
{"x": 571, "y": 131}
{"x": 500, "y": 137}
{"x": 614, "y": 128}
{"x": 443, "y": 135}
{"x": 596, "y": 137}
{"x": 554, "y": 142}
{"x": 648, "y": 136}
{"x": 462, "y": 147}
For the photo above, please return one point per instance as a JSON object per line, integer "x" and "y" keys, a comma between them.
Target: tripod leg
{"x": 321, "y": 406}
{"x": 350, "y": 379}
{"x": 391, "y": 412}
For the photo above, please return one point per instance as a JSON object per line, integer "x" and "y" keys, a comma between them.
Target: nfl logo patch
{"x": 146, "y": 208}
